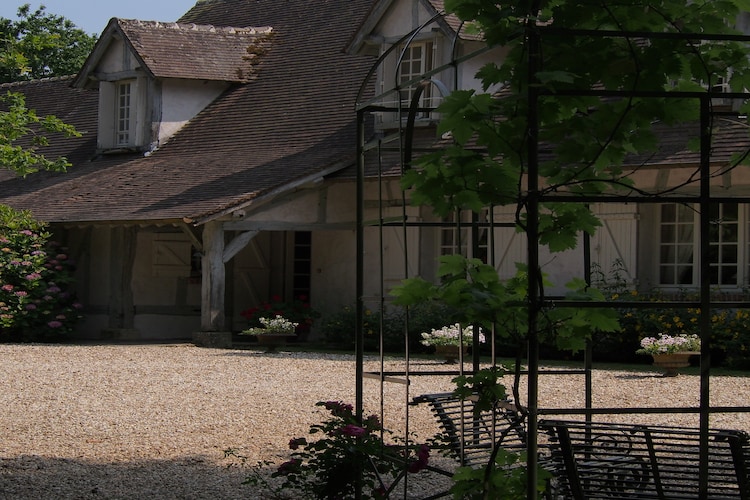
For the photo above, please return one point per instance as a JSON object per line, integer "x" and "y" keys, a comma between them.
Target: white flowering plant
{"x": 278, "y": 325}
{"x": 451, "y": 335}
{"x": 669, "y": 344}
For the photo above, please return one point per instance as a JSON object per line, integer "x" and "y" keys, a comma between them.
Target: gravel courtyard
{"x": 153, "y": 421}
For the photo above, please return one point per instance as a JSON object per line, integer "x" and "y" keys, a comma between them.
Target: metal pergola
{"x": 371, "y": 150}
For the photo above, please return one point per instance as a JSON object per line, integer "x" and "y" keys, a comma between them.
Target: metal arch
{"x": 703, "y": 199}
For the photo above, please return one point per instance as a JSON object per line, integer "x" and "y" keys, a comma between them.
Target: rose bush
{"x": 326, "y": 467}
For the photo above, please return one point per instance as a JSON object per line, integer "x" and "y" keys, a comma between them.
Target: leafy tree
{"x": 22, "y": 132}
{"x": 40, "y": 45}
{"x": 589, "y": 100}
{"x": 585, "y": 137}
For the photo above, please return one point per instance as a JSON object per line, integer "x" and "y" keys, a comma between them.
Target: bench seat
{"x": 623, "y": 461}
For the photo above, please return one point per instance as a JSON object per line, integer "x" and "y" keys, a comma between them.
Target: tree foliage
{"x": 22, "y": 132}
{"x": 40, "y": 45}
{"x": 584, "y": 138}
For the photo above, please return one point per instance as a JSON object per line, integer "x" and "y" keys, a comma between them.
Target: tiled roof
{"x": 729, "y": 138}
{"x": 453, "y": 21}
{"x": 200, "y": 52}
{"x": 295, "y": 121}
{"x": 54, "y": 96}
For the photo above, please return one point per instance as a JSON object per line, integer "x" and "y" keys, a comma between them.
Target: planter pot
{"x": 450, "y": 352}
{"x": 271, "y": 341}
{"x": 671, "y": 363}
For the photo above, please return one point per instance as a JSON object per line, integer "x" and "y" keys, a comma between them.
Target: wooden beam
{"x": 193, "y": 235}
{"x": 214, "y": 276}
{"x": 238, "y": 243}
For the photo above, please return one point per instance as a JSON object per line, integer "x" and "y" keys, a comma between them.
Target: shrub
{"x": 730, "y": 341}
{"x": 327, "y": 467}
{"x": 36, "y": 303}
{"x": 339, "y": 328}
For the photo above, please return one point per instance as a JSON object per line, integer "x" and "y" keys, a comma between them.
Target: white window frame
{"x": 124, "y": 113}
{"x": 418, "y": 58}
{"x": 451, "y": 235}
{"x": 679, "y": 247}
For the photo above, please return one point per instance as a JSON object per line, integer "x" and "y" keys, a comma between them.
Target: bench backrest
{"x": 469, "y": 436}
{"x": 636, "y": 461}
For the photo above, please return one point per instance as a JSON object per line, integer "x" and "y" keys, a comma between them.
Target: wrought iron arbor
{"x": 375, "y": 150}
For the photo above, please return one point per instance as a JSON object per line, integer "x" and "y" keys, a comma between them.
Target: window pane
{"x": 668, "y": 233}
{"x": 729, "y": 254}
{"x": 666, "y": 275}
{"x": 728, "y": 275}
{"x": 685, "y": 274}
{"x": 668, "y": 213}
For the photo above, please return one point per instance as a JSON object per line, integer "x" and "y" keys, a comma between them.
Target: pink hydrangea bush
{"x": 36, "y": 276}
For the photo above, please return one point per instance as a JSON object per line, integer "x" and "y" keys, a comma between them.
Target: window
{"x": 123, "y": 114}
{"x": 416, "y": 61}
{"x": 680, "y": 245}
{"x": 455, "y": 239}
{"x": 301, "y": 281}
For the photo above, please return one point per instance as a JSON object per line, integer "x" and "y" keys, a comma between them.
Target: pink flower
{"x": 353, "y": 430}
{"x": 54, "y": 324}
{"x": 423, "y": 457}
{"x": 289, "y": 466}
{"x": 8, "y": 288}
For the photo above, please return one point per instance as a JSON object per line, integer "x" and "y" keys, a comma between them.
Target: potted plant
{"x": 671, "y": 352}
{"x": 448, "y": 339}
{"x": 273, "y": 332}
{"x": 297, "y": 310}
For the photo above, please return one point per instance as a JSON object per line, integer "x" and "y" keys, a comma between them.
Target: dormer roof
{"x": 449, "y": 23}
{"x": 184, "y": 50}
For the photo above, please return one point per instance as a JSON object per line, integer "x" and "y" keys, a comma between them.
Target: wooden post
{"x": 121, "y": 324}
{"x": 214, "y": 277}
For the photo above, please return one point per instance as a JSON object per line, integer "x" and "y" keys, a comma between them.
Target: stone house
{"x": 217, "y": 164}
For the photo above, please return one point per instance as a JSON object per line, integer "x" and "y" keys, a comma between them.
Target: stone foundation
{"x": 217, "y": 340}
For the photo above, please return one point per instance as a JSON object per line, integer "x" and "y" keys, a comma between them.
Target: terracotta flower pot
{"x": 672, "y": 362}
{"x": 271, "y": 341}
{"x": 450, "y": 352}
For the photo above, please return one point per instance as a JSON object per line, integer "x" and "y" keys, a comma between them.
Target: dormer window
{"x": 123, "y": 113}
{"x": 417, "y": 60}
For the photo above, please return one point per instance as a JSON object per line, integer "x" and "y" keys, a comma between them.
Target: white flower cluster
{"x": 451, "y": 335}
{"x": 276, "y": 325}
{"x": 667, "y": 344}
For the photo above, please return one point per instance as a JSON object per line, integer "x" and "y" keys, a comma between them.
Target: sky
{"x": 92, "y": 15}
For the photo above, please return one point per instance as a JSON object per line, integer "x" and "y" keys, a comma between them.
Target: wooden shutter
{"x": 616, "y": 239}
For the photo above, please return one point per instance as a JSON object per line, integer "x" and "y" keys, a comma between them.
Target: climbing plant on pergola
{"x": 580, "y": 93}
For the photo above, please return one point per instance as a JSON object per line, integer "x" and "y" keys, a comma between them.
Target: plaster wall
{"x": 181, "y": 101}
{"x": 116, "y": 58}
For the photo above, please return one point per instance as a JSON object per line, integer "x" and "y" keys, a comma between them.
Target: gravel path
{"x": 153, "y": 421}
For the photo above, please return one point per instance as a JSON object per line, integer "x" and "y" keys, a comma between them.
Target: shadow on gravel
{"x": 35, "y": 477}
{"x": 639, "y": 376}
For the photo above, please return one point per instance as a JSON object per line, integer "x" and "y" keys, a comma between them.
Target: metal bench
{"x": 470, "y": 437}
{"x": 604, "y": 460}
